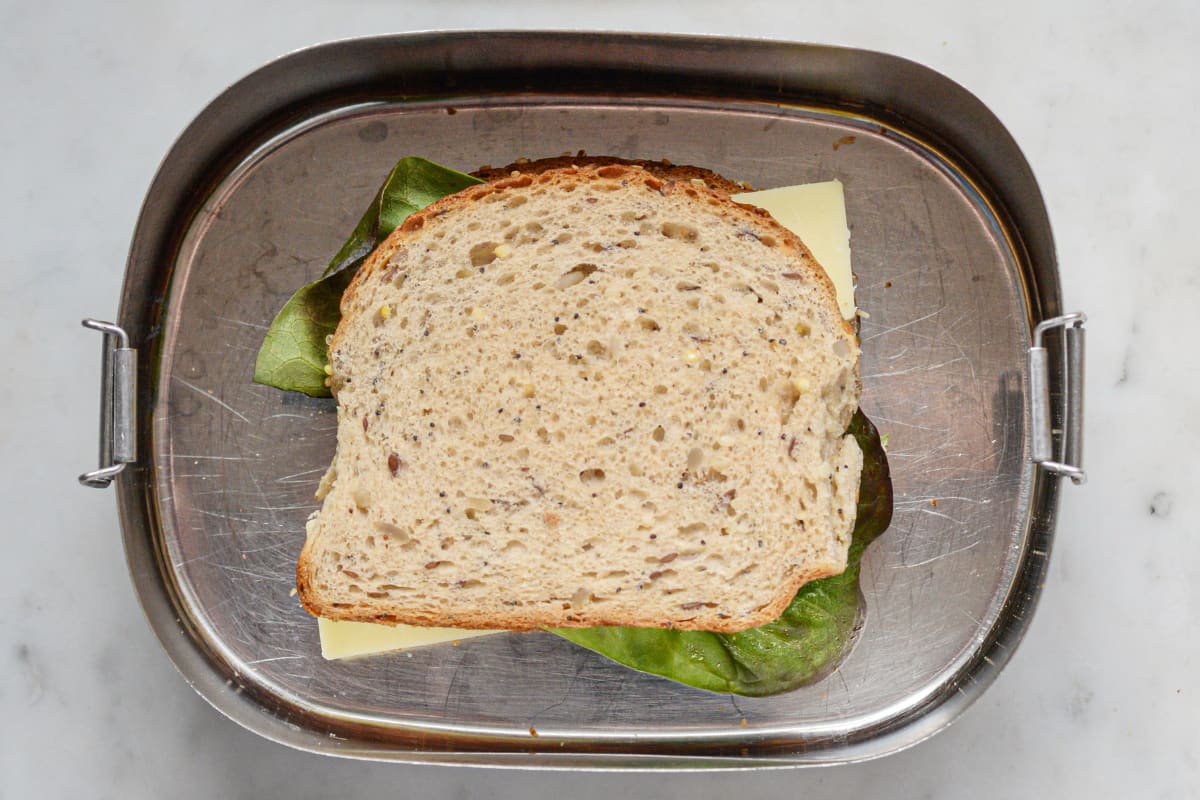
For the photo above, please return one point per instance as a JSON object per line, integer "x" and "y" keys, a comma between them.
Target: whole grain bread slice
{"x": 585, "y": 395}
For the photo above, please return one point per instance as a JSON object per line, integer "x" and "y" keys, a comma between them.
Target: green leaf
{"x": 801, "y": 646}
{"x": 293, "y": 354}
{"x": 412, "y": 184}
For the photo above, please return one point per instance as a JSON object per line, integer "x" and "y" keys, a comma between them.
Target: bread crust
{"x": 568, "y": 174}
{"x": 660, "y": 169}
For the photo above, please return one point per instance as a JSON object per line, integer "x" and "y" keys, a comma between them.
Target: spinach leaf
{"x": 801, "y": 646}
{"x": 293, "y": 354}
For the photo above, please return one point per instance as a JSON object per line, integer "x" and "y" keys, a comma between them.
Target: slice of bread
{"x": 585, "y": 396}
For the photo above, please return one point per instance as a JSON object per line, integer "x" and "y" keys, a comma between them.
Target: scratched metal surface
{"x": 232, "y": 466}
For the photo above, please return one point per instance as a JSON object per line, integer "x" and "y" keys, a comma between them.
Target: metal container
{"x": 955, "y": 266}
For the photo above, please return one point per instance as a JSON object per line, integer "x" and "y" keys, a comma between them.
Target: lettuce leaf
{"x": 293, "y": 354}
{"x": 803, "y": 645}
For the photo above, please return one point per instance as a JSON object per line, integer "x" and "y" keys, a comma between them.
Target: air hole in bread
{"x": 483, "y": 254}
{"x": 594, "y": 348}
{"x": 659, "y": 434}
{"x": 391, "y": 531}
{"x": 649, "y": 324}
{"x": 680, "y": 231}
{"x": 592, "y": 475}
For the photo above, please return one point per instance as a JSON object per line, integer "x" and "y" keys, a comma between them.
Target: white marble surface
{"x": 1102, "y": 698}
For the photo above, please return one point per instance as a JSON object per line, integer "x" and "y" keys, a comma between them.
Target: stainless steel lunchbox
{"x": 970, "y": 366}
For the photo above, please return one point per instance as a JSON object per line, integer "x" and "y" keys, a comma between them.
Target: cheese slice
{"x": 816, "y": 212}
{"x": 341, "y": 639}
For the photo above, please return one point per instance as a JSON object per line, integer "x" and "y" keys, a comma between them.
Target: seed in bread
{"x": 582, "y": 397}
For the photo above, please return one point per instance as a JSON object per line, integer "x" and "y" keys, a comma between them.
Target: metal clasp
{"x": 118, "y": 404}
{"x": 1071, "y": 463}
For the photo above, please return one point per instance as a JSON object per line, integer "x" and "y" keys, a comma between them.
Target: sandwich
{"x": 595, "y": 396}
